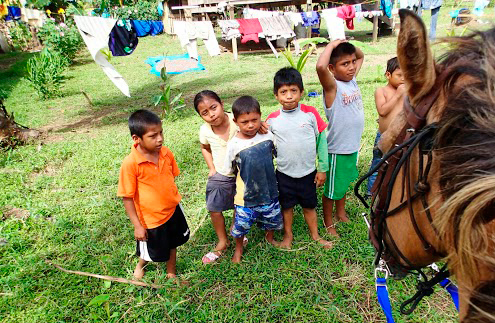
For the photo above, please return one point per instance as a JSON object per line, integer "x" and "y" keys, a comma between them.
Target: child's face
{"x": 345, "y": 68}
{"x": 249, "y": 123}
{"x": 152, "y": 140}
{"x": 211, "y": 111}
{"x": 289, "y": 96}
{"x": 396, "y": 78}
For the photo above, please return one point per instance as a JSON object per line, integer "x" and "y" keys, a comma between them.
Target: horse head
{"x": 440, "y": 204}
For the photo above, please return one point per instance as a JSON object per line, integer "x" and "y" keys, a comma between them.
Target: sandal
{"x": 212, "y": 257}
{"x": 245, "y": 241}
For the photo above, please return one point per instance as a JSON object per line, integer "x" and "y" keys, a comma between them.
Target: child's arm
{"x": 382, "y": 106}
{"x": 207, "y": 155}
{"x": 322, "y": 154}
{"x": 326, "y": 77}
{"x": 359, "y": 60}
{"x": 139, "y": 231}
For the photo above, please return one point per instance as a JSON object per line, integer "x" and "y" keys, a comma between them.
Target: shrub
{"x": 142, "y": 10}
{"x": 46, "y": 73}
{"x": 20, "y": 35}
{"x": 61, "y": 37}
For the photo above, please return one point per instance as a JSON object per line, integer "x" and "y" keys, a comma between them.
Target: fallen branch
{"x": 111, "y": 278}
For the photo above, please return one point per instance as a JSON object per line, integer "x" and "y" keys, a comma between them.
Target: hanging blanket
{"x": 249, "y": 29}
{"x": 174, "y": 64}
{"x": 276, "y": 27}
{"x": 147, "y": 27}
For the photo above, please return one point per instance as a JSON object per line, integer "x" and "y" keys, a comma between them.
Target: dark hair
{"x": 140, "y": 120}
{"x": 245, "y": 104}
{"x": 203, "y": 95}
{"x": 287, "y": 76}
{"x": 341, "y": 50}
{"x": 392, "y": 65}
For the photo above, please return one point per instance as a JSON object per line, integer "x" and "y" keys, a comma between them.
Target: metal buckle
{"x": 382, "y": 267}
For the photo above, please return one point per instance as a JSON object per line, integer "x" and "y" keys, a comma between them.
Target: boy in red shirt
{"x": 151, "y": 198}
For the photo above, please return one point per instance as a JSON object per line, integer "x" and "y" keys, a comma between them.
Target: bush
{"x": 61, "y": 37}
{"x": 20, "y": 35}
{"x": 45, "y": 72}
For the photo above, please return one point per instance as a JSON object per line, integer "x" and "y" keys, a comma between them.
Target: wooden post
{"x": 375, "y": 23}
{"x": 234, "y": 40}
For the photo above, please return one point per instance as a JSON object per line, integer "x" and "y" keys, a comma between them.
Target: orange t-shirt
{"x": 151, "y": 186}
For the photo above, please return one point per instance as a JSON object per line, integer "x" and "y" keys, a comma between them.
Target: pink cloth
{"x": 347, "y": 13}
{"x": 249, "y": 29}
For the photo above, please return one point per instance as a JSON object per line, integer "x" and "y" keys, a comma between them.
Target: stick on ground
{"x": 111, "y": 278}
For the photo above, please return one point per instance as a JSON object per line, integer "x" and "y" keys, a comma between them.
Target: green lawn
{"x": 66, "y": 185}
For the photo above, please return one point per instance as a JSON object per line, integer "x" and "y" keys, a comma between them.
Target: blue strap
{"x": 453, "y": 291}
{"x": 382, "y": 294}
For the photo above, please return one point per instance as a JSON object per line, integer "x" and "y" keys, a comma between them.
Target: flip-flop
{"x": 245, "y": 241}
{"x": 211, "y": 257}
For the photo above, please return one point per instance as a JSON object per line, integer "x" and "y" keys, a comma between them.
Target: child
{"x": 337, "y": 68}
{"x": 151, "y": 198}
{"x": 299, "y": 134}
{"x": 251, "y": 154}
{"x": 220, "y": 188}
{"x": 388, "y": 101}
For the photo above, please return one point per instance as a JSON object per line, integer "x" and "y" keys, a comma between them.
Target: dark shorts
{"x": 170, "y": 235}
{"x": 220, "y": 192}
{"x": 294, "y": 191}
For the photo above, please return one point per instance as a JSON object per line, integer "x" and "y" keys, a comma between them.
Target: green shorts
{"x": 342, "y": 171}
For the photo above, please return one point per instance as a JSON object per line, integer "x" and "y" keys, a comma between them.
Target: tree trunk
{"x": 12, "y": 133}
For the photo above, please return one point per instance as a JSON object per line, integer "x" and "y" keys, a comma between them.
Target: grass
{"x": 68, "y": 185}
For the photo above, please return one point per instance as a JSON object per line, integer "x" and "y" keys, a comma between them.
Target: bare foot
{"x": 331, "y": 230}
{"x": 269, "y": 238}
{"x": 236, "y": 259}
{"x": 343, "y": 218}
{"x": 171, "y": 276}
{"x": 286, "y": 243}
{"x": 138, "y": 272}
{"x": 326, "y": 244}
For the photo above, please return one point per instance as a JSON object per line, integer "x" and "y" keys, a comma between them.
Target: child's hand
{"x": 337, "y": 42}
{"x": 140, "y": 233}
{"x": 264, "y": 128}
{"x": 212, "y": 172}
{"x": 401, "y": 89}
{"x": 320, "y": 178}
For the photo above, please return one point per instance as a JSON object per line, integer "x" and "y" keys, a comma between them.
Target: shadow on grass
{"x": 13, "y": 69}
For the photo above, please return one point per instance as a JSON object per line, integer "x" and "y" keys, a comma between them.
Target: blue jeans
{"x": 433, "y": 24}
{"x": 377, "y": 156}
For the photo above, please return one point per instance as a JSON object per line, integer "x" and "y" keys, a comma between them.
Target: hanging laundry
{"x": 276, "y": 27}
{"x": 156, "y": 27}
{"x": 230, "y": 29}
{"x": 386, "y": 6}
{"x": 479, "y": 6}
{"x": 310, "y": 18}
{"x": 123, "y": 38}
{"x": 33, "y": 17}
{"x": 95, "y": 32}
{"x": 249, "y": 29}
{"x": 189, "y": 31}
{"x": 335, "y": 25}
{"x": 159, "y": 8}
{"x": 358, "y": 9}
{"x": 295, "y": 17}
{"x": 3, "y": 10}
{"x": 248, "y": 13}
{"x": 142, "y": 27}
{"x": 14, "y": 13}
{"x": 347, "y": 13}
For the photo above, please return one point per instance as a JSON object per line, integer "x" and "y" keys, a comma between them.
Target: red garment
{"x": 347, "y": 13}
{"x": 249, "y": 29}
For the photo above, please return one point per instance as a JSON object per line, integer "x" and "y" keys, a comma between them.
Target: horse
{"x": 434, "y": 198}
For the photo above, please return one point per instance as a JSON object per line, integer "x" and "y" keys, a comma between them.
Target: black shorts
{"x": 294, "y": 191}
{"x": 170, "y": 235}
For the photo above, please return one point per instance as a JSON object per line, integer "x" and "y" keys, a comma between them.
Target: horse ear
{"x": 414, "y": 55}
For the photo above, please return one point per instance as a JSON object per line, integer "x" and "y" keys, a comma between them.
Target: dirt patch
{"x": 13, "y": 212}
{"x": 6, "y": 63}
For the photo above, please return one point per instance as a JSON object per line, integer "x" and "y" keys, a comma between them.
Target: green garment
{"x": 322, "y": 152}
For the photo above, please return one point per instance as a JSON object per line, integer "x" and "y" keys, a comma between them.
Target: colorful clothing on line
{"x": 249, "y": 29}
{"x": 268, "y": 217}
{"x": 122, "y": 39}
{"x": 310, "y": 18}
{"x": 347, "y": 13}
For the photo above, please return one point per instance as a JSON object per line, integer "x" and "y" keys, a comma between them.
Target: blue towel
{"x": 159, "y": 8}
{"x": 14, "y": 13}
{"x": 152, "y": 61}
{"x": 147, "y": 27}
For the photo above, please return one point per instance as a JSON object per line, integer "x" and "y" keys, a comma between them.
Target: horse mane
{"x": 465, "y": 146}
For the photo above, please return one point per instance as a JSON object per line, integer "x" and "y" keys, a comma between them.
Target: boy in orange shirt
{"x": 151, "y": 198}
